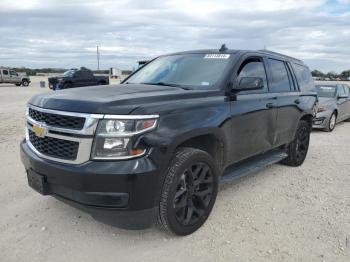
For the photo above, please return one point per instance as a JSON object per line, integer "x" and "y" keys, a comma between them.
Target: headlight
{"x": 115, "y": 138}
{"x": 321, "y": 109}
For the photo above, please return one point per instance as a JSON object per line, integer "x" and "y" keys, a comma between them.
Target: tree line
{"x": 345, "y": 75}
{"x": 33, "y": 72}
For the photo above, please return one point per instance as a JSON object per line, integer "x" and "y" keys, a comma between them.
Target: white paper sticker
{"x": 217, "y": 56}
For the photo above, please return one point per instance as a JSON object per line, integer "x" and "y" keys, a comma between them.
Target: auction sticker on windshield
{"x": 217, "y": 56}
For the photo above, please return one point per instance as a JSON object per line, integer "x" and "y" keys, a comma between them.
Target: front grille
{"x": 62, "y": 121}
{"x": 54, "y": 147}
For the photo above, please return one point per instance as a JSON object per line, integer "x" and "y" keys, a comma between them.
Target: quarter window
{"x": 280, "y": 80}
{"x": 253, "y": 68}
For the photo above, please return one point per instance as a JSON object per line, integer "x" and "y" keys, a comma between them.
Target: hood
{"x": 326, "y": 100}
{"x": 112, "y": 99}
{"x": 55, "y": 79}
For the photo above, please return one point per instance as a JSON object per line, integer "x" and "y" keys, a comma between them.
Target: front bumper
{"x": 120, "y": 193}
{"x": 321, "y": 119}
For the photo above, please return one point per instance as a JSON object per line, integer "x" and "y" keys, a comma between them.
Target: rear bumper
{"x": 120, "y": 193}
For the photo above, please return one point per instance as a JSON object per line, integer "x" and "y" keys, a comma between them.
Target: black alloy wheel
{"x": 193, "y": 194}
{"x": 298, "y": 148}
{"x": 189, "y": 191}
{"x": 303, "y": 139}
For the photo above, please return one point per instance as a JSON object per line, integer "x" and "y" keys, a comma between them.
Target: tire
{"x": 25, "y": 82}
{"x": 189, "y": 191}
{"x": 298, "y": 148}
{"x": 18, "y": 84}
{"x": 67, "y": 85}
{"x": 101, "y": 83}
{"x": 331, "y": 122}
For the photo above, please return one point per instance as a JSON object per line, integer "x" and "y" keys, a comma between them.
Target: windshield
{"x": 326, "y": 90}
{"x": 68, "y": 73}
{"x": 192, "y": 70}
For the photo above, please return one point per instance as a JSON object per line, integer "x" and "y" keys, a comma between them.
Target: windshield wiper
{"x": 165, "y": 84}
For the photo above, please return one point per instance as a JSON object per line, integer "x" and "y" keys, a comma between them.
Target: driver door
{"x": 14, "y": 78}
{"x": 253, "y": 114}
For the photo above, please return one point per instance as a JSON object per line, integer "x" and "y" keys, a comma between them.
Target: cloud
{"x": 65, "y": 33}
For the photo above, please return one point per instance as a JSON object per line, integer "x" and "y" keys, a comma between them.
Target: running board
{"x": 252, "y": 165}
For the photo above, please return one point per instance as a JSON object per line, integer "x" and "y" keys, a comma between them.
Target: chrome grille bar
{"x": 84, "y": 136}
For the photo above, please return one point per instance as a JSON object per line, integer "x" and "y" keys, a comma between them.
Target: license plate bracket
{"x": 38, "y": 182}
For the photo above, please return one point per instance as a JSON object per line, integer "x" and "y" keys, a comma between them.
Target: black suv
{"x": 157, "y": 146}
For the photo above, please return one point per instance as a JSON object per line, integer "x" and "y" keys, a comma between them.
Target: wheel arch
{"x": 211, "y": 142}
{"x": 308, "y": 118}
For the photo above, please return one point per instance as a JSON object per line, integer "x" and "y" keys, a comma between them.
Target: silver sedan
{"x": 334, "y": 105}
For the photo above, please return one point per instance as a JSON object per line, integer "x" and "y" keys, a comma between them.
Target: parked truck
{"x": 77, "y": 78}
{"x": 9, "y": 76}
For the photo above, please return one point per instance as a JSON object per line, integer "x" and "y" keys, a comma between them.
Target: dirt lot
{"x": 279, "y": 214}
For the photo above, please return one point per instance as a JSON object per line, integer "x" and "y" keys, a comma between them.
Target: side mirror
{"x": 249, "y": 83}
{"x": 342, "y": 96}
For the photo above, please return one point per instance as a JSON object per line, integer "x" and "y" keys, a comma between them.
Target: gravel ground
{"x": 279, "y": 214}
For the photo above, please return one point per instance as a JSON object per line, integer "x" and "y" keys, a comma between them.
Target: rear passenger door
{"x": 253, "y": 115}
{"x": 283, "y": 86}
{"x": 342, "y": 102}
{"x": 347, "y": 92}
{"x": 15, "y": 78}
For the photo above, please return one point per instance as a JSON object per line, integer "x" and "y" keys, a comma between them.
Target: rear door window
{"x": 303, "y": 75}
{"x": 341, "y": 90}
{"x": 5, "y": 72}
{"x": 280, "y": 79}
{"x": 346, "y": 89}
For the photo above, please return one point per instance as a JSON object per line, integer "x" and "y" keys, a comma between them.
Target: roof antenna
{"x": 223, "y": 48}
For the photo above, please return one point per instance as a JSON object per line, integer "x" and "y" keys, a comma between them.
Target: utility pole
{"x": 98, "y": 58}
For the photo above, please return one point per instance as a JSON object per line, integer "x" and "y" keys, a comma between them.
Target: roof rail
{"x": 279, "y": 54}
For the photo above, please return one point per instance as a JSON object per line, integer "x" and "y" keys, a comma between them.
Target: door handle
{"x": 297, "y": 101}
{"x": 270, "y": 105}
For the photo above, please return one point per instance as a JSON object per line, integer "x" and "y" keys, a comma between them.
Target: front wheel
{"x": 189, "y": 191}
{"x": 331, "y": 123}
{"x": 298, "y": 148}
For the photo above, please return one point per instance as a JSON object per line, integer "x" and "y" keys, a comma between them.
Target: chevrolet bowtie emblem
{"x": 39, "y": 130}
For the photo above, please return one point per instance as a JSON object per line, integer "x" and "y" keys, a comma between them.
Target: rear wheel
{"x": 189, "y": 191}
{"x": 18, "y": 84}
{"x": 25, "y": 82}
{"x": 298, "y": 148}
{"x": 331, "y": 122}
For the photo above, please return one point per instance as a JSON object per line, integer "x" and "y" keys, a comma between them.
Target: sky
{"x": 64, "y": 34}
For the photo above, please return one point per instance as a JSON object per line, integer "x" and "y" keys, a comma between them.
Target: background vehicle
{"x": 156, "y": 146}
{"x": 115, "y": 72}
{"x": 12, "y": 77}
{"x": 334, "y": 105}
{"x": 77, "y": 78}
